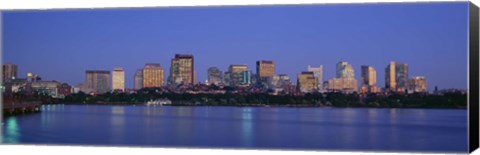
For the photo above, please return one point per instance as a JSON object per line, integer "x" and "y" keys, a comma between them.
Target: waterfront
{"x": 376, "y": 129}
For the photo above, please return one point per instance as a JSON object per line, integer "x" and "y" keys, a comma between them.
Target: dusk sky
{"x": 61, "y": 44}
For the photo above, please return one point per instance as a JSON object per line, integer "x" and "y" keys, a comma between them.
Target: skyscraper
{"x": 396, "y": 76}
{"x": 369, "y": 80}
{"x": 235, "y": 73}
{"x": 345, "y": 80}
{"x": 345, "y": 70}
{"x": 181, "y": 70}
{"x": 307, "y": 82}
{"x": 226, "y": 78}
{"x": 318, "y": 73}
{"x": 246, "y": 77}
{"x": 418, "y": 84}
{"x": 265, "y": 69}
{"x": 118, "y": 79}
{"x": 98, "y": 81}
{"x": 345, "y": 85}
{"x": 153, "y": 75}
{"x": 9, "y": 72}
{"x": 279, "y": 81}
{"x": 138, "y": 79}
{"x": 369, "y": 76}
{"x": 214, "y": 76}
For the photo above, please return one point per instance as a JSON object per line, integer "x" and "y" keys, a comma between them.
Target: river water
{"x": 367, "y": 129}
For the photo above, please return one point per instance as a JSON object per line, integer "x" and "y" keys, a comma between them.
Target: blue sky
{"x": 61, "y": 44}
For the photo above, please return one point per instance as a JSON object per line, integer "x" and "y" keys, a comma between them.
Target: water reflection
{"x": 252, "y": 127}
{"x": 119, "y": 110}
{"x": 183, "y": 125}
{"x": 183, "y": 111}
{"x": 393, "y": 116}
{"x": 372, "y": 116}
{"x": 46, "y": 117}
{"x": 348, "y": 132}
{"x": 118, "y": 116}
{"x": 348, "y": 115}
{"x": 12, "y": 134}
{"x": 247, "y": 126}
{"x": 149, "y": 110}
{"x": 118, "y": 123}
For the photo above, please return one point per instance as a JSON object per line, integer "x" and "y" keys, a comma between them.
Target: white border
{"x": 56, "y": 4}
{"x": 8, "y": 5}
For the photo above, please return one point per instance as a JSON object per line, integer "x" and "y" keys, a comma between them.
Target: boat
{"x": 159, "y": 102}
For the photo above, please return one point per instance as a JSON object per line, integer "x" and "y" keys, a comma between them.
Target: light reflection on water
{"x": 11, "y": 130}
{"x": 118, "y": 123}
{"x": 244, "y": 127}
{"x": 247, "y": 126}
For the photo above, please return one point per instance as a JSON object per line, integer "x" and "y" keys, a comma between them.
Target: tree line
{"x": 416, "y": 100}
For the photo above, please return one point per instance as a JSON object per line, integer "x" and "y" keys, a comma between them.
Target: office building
{"x": 118, "y": 79}
{"x": 214, "y": 76}
{"x": 153, "y": 75}
{"x": 307, "y": 82}
{"x": 226, "y": 78}
{"x": 418, "y": 84}
{"x": 138, "y": 79}
{"x": 9, "y": 72}
{"x": 345, "y": 70}
{"x": 181, "y": 70}
{"x": 318, "y": 73}
{"x": 279, "y": 83}
{"x": 97, "y": 81}
{"x": 369, "y": 80}
{"x": 265, "y": 69}
{"x": 48, "y": 88}
{"x": 345, "y": 80}
{"x": 236, "y": 74}
{"x": 246, "y": 78}
{"x": 345, "y": 85}
{"x": 396, "y": 77}
{"x": 64, "y": 90}
{"x": 194, "y": 77}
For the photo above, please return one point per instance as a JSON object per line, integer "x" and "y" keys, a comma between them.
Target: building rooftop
{"x": 307, "y": 72}
{"x": 238, "y": 65}
{"x": 98, "y": 71}
{"x": 148, "y": 65}
{"x": 118, "y": 69}
{"x": 265, "y": 61}
{"x": 183, "y": 56}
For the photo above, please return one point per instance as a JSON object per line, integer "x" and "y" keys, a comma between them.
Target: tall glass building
{"x": 418, "y": 84}
{"x": 396, "y": 76}
{"x": 345, "y": 80}
{"x": 307, "y": 82}
{"x": 181, "y": 70}
{"x": 138, "y": 80}
{"x": 345, "y": 70}
{"x": 265, "y": 69}
{"x": 214, "y": 76}
{"x": 246, "y": 77}
{"x": 369, "y": 80}
{"x": 153, "y": 75}
{"x": 9, "y": 72}
{"x": 318, "y": 73}
{"x": 235, "y": 73}
{"x": 98, "y": 81}
{"x": 118, "y": 79}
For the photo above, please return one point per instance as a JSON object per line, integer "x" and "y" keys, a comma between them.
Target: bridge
{"x": 21, "y": 107}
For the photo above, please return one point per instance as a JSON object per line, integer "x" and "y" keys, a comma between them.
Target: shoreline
{"x": 258, "y": 105}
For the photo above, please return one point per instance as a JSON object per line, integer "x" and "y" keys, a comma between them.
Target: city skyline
{"x": 299, "y": 48}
